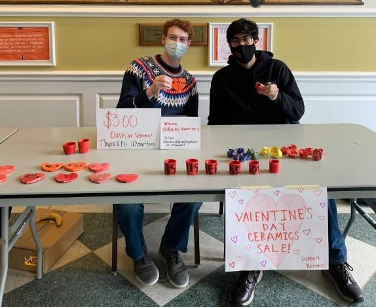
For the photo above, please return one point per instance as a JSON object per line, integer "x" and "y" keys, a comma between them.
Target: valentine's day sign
{"x": 128, "y": 128}
{"x": 276, "y": 228}
{"x": 180, "y": 133}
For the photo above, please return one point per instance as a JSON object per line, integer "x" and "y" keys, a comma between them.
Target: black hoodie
{"x": 234, "y": 100}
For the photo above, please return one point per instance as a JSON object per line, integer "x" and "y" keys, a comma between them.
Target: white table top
{"x": 347, "y": 167}
{"x": 6, "y": 132}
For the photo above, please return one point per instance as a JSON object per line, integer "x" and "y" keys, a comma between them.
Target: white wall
{"x": 369, "y": 3}
{"x": 70, "y": 99}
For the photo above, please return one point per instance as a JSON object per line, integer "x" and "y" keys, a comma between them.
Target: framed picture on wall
{"x": 27, "y": 44}
{"x": 150, "y": 34}
{"x": 219, "y": 51}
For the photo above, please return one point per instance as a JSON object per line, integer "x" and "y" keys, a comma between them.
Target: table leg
{"x": 4, "y": 249}
{"x": 352, "y": 218}
{"x": 371, "y": 203}
{"x": 114, "y": 242}
{"x": 221, "y": 208}
{"x": 38, "y": 245}
{"x": 365, "y": 215}
{"x": 196, "y": 231}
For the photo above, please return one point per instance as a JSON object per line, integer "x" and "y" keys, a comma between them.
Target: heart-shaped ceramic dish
{"x": 98, "y": 167}
{"x": 99, "y": 178}
{"x": 127, "y": 178}
{"x": 30, "y": 178}
{"x": 65, "y": 177}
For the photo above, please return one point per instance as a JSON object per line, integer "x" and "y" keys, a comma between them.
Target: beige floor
{"x": 360, "y": 253}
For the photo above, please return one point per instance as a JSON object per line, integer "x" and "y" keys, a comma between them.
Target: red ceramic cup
{"x": 292, "y": 153}
{"x": 316, "y": 154}
{"x": 273, "y": 165}
{"x": 69, "y": 147}
{"x": 169, "y": 166}
{"x": 303, "y": 153}
{"x": 254, "y": 167}
{"x": 234, "y": 167}
{"x": 192, "y": 166}
{"x": 211, "y": 166}
{"x": 83, "y": 145}
{"x": 309, "y": 151}
{"x": 284, "y": 150}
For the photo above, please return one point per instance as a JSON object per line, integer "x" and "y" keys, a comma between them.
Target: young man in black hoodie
{"x": 257, "y": 89}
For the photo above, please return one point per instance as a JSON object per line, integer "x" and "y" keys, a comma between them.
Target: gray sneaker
{"x": 177, "y": 273}
{"x": 145, "y": 271}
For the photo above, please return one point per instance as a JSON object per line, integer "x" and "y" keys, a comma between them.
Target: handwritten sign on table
{"x": 128, "y": 128}
{"x": 180, "y": 133}
{"x": 276, "y": 228}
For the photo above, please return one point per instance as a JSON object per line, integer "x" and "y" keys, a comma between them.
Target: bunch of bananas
{"x": 52, "y": 218}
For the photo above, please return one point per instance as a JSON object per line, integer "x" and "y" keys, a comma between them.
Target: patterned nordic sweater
{"x": 179, "y": 100}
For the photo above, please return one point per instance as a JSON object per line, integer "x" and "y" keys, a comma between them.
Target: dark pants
{"x": 175, "y": 237}
{"x": 337, "y": 246}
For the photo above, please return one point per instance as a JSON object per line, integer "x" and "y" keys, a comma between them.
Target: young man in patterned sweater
{"x": 161, "y": 82}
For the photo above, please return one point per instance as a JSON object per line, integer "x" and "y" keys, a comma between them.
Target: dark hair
{"x": 243, "y": 26}
{"x": 256, "y": 3}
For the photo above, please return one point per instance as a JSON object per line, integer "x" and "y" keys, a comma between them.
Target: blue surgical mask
{"x": 175, "y": 50}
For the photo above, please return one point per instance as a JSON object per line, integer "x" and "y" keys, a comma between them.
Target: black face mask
{"x": 244, "y": 53}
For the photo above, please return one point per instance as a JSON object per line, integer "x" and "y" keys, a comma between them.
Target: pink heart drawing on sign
{"x": 276, "y": 192}
{"x": 234, "y": 239}
{"x": 263, "y": 263}
{"x": 296, "y": 251}
{"x": 264, "y": 204}
{"x": 307, "y": 231}
{"x": 232, "y": 264}
{"x": 239, "y": 258}
{"x": 318, "y": 240}
{"x": 322, "y": 218}
{"x": 240, "y": 201}
{"x": 256, "y": 191}
{"x": 232, "y": 194}
{"x": 300, "y": 190}
{"x": 317, "y": 192}
{"x": 322, "y": 204}
{"x": 248, "y": 247}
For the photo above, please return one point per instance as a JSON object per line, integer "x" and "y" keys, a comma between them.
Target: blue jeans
{"x": 337, "y": 246}
{"x": 175, "y": 237}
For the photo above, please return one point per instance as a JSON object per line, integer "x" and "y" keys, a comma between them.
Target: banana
{"x": 53, "y": 217}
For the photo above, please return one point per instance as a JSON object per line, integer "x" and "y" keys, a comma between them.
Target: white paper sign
{"x": 180, "y": 133}
{"x": 277, "y": 228}
{"x": 128, "y": 128}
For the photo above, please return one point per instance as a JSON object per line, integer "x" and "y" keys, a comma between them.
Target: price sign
{"x": 127, "y": 128}
{"x": 113, "y": 121}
